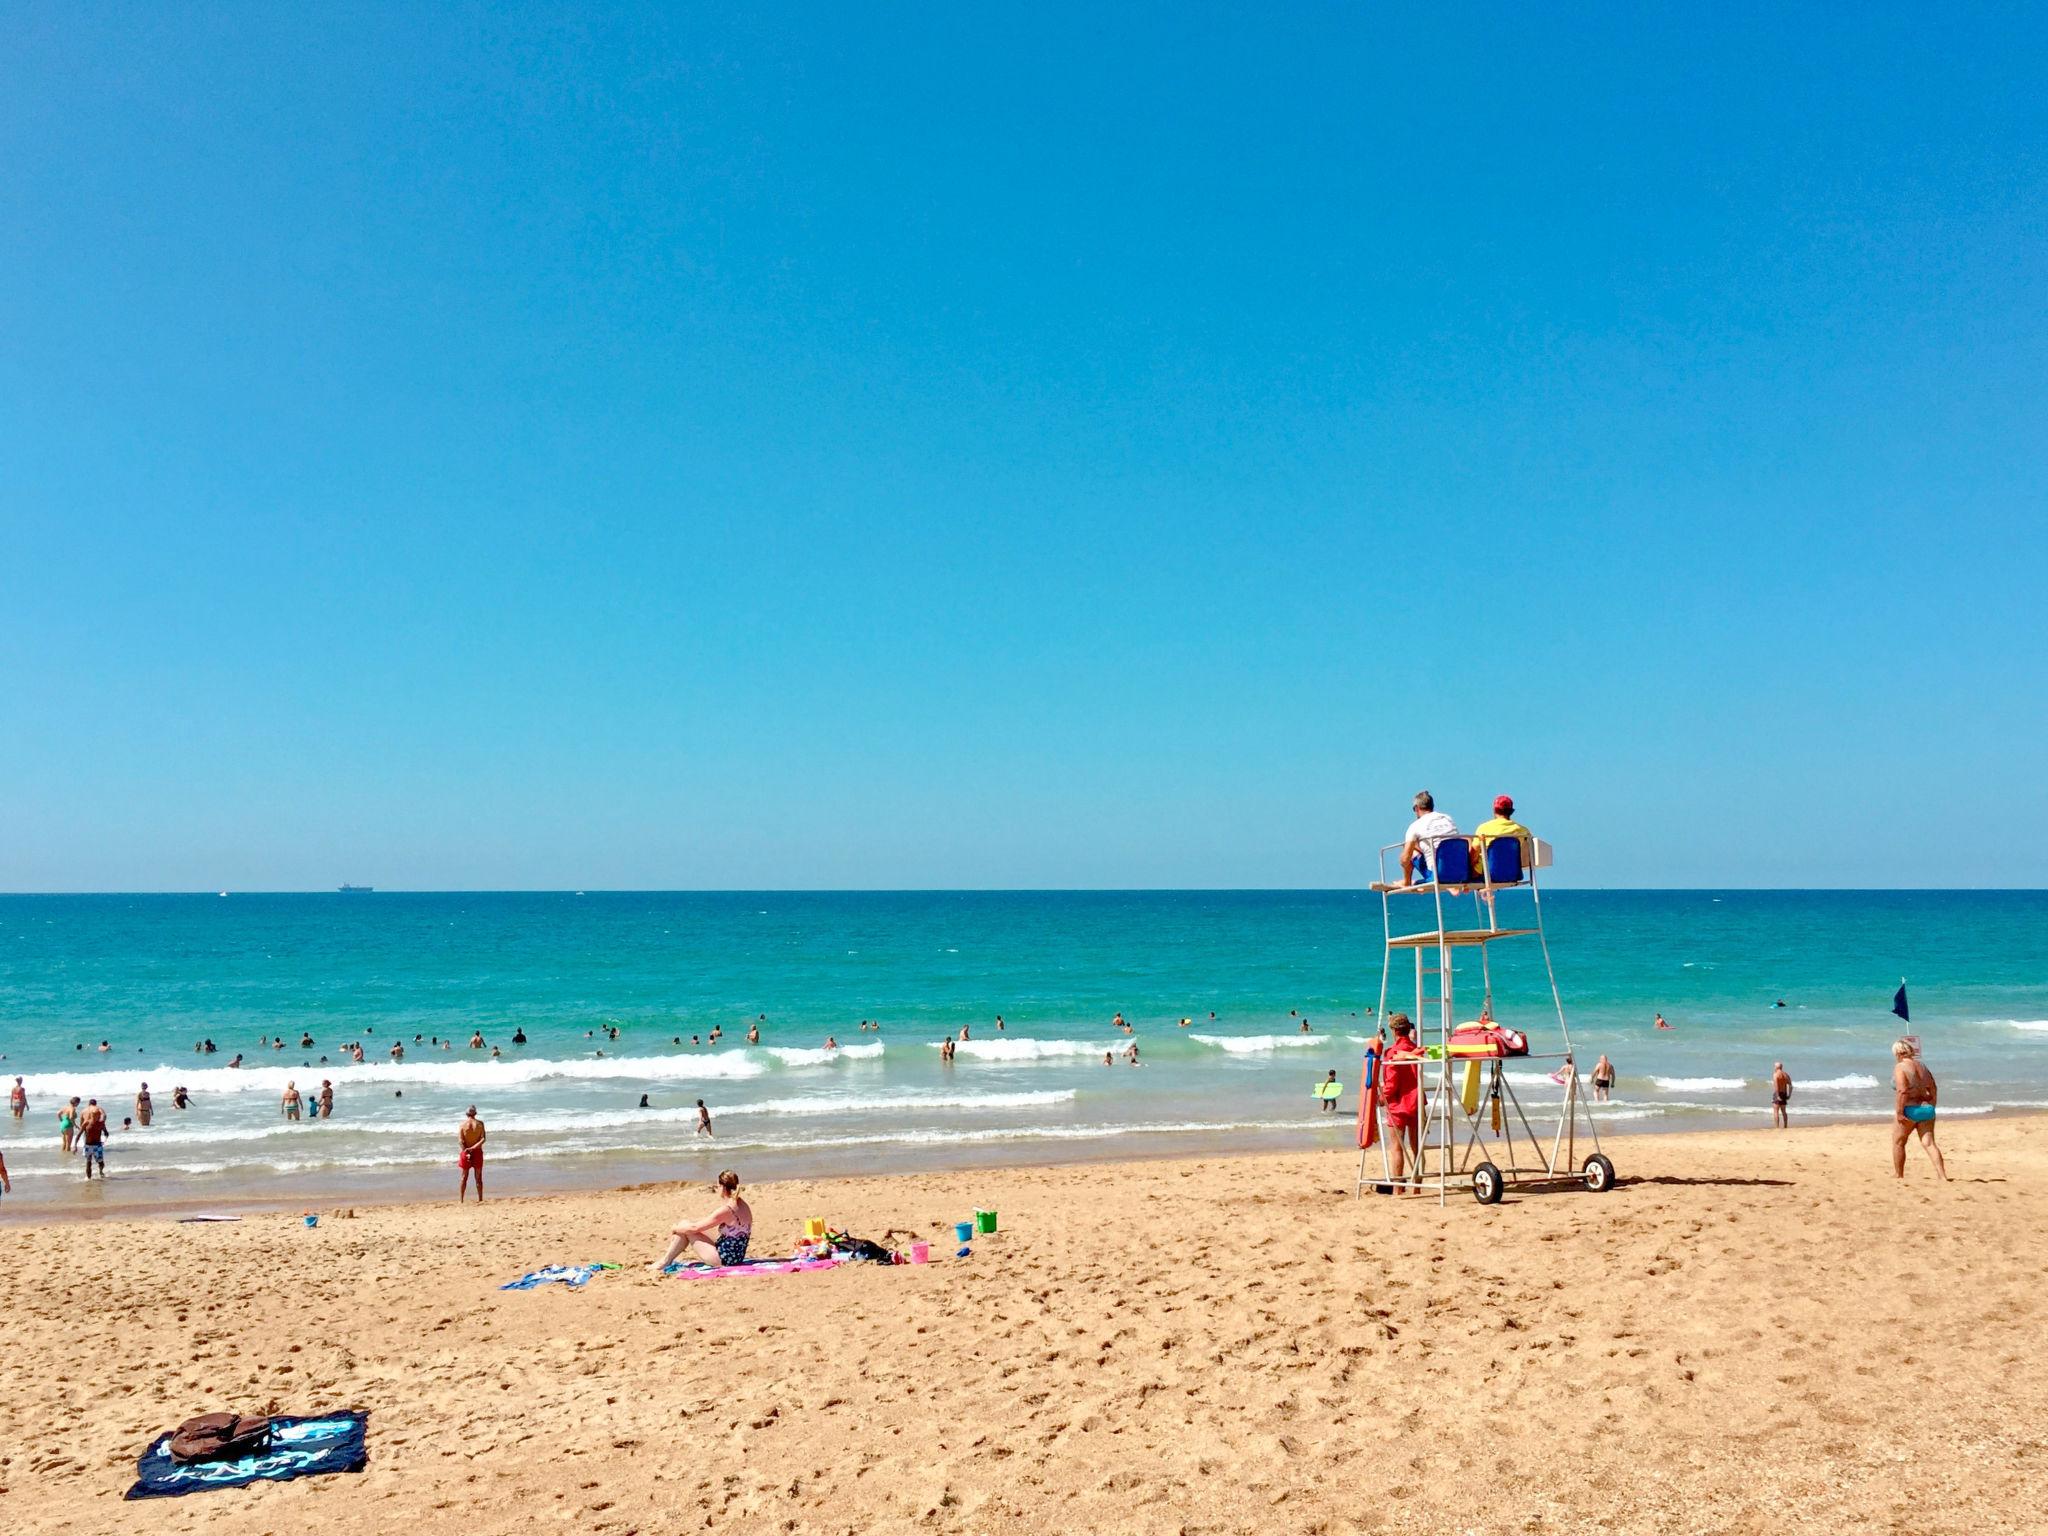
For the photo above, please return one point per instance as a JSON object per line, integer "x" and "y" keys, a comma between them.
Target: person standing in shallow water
{"x": 144, "y": 1105}
{"x": 703, "y": 1119}
{"x": 92, "y": 1135}
{"x": 17, "y": 1100}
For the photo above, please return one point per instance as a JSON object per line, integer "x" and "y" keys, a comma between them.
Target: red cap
{"x": 1503, "y": 805}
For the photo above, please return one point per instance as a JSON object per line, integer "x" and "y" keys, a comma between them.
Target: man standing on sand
{"x": 703, "y": 1119}
{"x": 1781, "y": 1096}
{"x": 1913, "y": 1096}
{"x": 92, "y": 1135}
{"x": 17, "y": 1100}
{"x": 470, "y": 1157}
{"x": 144, "y": 1107}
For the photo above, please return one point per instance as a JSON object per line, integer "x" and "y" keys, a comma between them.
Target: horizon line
{"x": 1031, "y": 890}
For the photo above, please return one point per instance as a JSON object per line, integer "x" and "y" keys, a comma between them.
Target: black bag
{"x": 219, "y": 1437}
{"x": 860, "y": 1248}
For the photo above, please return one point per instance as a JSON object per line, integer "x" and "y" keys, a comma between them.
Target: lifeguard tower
{"x": 1472, "y": 1131}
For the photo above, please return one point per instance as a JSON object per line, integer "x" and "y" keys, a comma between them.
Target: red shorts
{"x": 470, "y": 1157}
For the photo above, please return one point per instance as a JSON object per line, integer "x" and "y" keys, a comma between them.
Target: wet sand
{"x": 1753, "y": 1330}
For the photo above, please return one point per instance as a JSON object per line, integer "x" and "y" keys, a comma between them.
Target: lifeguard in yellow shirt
{"x": 1504, "y": 825}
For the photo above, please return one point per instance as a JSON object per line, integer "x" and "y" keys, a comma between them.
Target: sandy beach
{"x": 1753, "y": 1330}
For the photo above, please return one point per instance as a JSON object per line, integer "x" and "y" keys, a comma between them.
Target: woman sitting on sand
{"x": 721, "y": 1238}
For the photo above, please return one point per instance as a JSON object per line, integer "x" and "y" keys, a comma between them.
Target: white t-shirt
{"x": 1427, "y": 827}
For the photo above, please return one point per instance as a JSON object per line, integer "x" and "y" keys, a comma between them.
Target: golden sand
{"x": 1753, "y": 1331}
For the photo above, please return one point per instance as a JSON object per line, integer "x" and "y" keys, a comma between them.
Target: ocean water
{"x": 153, "y": 975}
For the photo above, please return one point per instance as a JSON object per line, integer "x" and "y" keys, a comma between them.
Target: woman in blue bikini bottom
{"x": 1917, "y": 1093}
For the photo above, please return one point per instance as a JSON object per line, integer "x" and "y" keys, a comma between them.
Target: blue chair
{"x": 1504, "y": 860}
{"x": 1454, "y": 862}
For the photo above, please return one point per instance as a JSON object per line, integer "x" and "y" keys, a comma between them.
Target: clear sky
{"x": 734, "y": 446}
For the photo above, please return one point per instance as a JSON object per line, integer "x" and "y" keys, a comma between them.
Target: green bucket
{"x": 984, "y": 1222}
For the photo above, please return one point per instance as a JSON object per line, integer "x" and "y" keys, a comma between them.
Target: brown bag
{"x": 219, "y": 1437}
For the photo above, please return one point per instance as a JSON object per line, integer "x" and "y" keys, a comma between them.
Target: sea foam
{"x": 1700, "y": 1084}
{"x": 1004, "y": 1049}
{"x": 1254, "y": 1045}
{"x": 425, "y": 1071}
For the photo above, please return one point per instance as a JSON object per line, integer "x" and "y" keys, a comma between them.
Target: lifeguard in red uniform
{"x": 1401, "y": 1090}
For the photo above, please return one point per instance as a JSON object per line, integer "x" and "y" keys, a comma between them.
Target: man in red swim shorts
{"x": 1401, "y": 1090}
{"x": 470, "y": 1159}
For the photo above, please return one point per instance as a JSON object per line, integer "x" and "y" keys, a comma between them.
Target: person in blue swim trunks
{"x": 720, "y": 1238}
{"x": 1913, "y": 1095}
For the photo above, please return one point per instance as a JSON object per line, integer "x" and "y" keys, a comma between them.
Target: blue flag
{"x": 1899, "y": 1002}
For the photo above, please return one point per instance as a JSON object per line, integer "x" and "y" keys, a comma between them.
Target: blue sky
{"x": 964, "y": 446}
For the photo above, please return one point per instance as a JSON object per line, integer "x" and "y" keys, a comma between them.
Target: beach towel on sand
{"x": 575, "y": 1276}
{"x": 750, "y": 1267}
{"x": 335, "y": 1442}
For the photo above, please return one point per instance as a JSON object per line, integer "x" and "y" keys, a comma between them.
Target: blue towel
{"x": 298, "y": 1448}
{"x": 574, "y": 1275}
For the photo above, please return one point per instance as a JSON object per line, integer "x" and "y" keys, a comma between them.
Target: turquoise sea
{"x": 153, "y": 975}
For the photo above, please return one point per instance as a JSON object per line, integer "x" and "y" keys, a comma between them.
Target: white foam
{"x": 182, "y": 1131}
{"x": 800, "y": 1056}
{"x": 1030, "y": 1050}
{"x": 2030, "y": 1026}
{"x": 1846, "y": 1083}
{"x": 437, "y": 1073}
{"x": 131, "y": 1164}
{"x": 1699, "y": 1084}
{"x": 1251, "y": 1045}
{"x": 851, "y": 1104}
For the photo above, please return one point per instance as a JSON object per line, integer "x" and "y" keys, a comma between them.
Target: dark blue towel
{"x": 298, "y": 1448}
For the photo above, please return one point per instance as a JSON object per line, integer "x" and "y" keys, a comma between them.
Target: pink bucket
{"x": 920, "y": 1253}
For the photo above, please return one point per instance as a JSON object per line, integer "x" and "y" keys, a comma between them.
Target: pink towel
{"x": 782, "y": 1267}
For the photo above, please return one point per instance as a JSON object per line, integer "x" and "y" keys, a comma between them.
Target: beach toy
{"x": 963, "y": 1231}
{"x": 312, "y": 1220}
{"x": 920, "y": 1253}
{"x": 964, "y": 1252}
{"x": 814, "y": 1229}
{"x": 984, "y": 1222}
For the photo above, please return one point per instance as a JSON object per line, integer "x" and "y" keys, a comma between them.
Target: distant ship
{"x": 357, "y": 890}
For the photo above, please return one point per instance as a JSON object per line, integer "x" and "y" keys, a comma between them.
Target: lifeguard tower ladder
{"x": 1466, "y": 1131}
